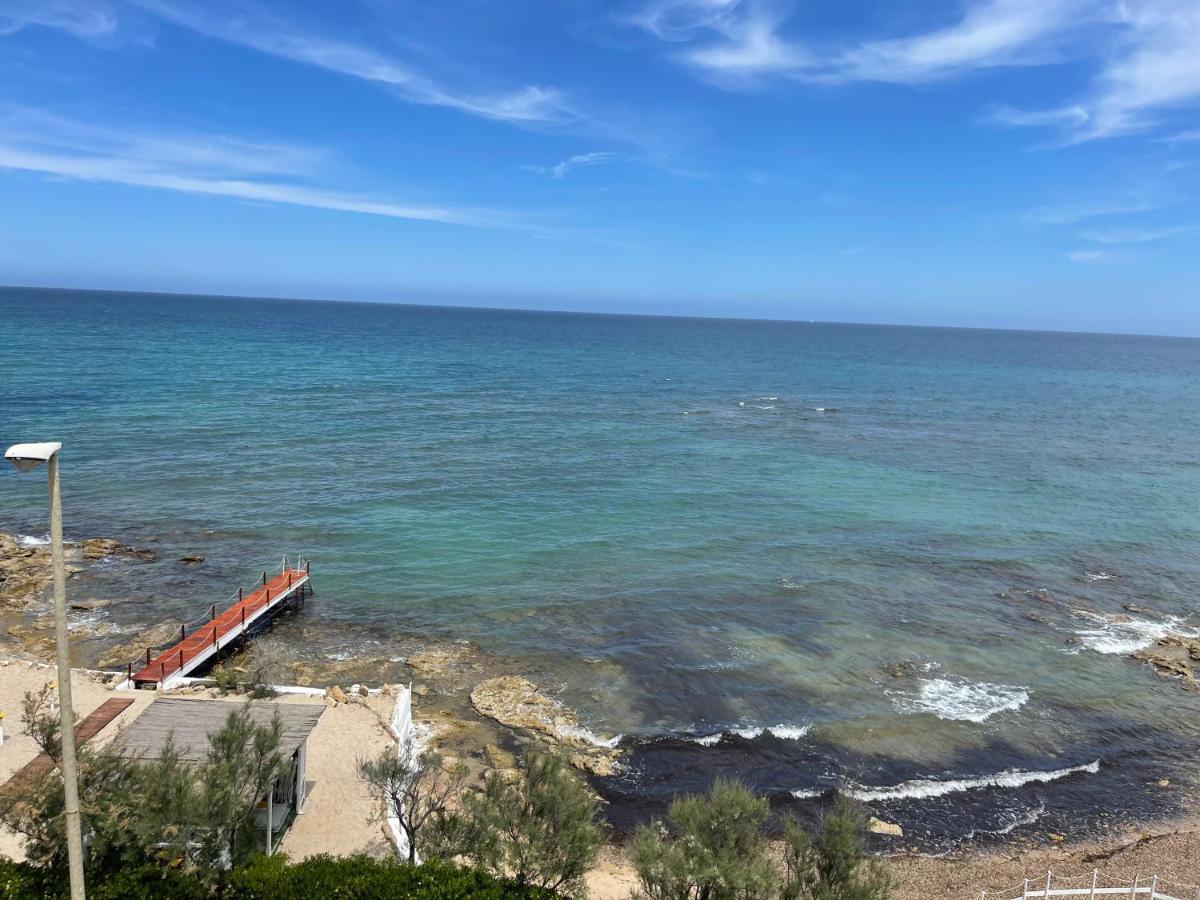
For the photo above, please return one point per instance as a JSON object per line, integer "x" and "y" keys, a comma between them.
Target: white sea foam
{"x": 29, "y": 540}
{"x": 926, "y": 788}
{"x": 750, "y": 732}
{"x": 1099, "y": 576}
{"x": 1129, "y": 637}
{"x": 807, "y": 793}
{"x": 585, "y": 735}
{"x": 960, "y": 700}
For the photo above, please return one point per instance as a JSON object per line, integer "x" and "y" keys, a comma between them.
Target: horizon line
{"x": 597, "y": 313}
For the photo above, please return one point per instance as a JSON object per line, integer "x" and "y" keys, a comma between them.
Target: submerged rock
{"x": 131, "y": 650}
{"x": 1175, "y": 656}
{"x": 99, "y": 548}
{"x": 25, "y": 572}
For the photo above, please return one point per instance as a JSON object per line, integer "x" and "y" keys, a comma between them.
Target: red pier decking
{"x": 201, "y": 640}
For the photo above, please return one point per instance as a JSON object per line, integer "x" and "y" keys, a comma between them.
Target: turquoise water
{"x": 655, "y": 517}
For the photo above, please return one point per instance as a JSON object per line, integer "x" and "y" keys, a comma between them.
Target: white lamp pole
{"x": 26, "y": 457}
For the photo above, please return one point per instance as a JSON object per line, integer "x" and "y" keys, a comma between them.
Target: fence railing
{"x": 187, "y": 628}
{"x": 1096, "y": 884}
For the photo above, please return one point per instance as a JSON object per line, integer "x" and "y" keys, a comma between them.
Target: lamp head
{"x": 30, "y": 456}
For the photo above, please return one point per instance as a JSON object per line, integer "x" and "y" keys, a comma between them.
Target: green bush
{"x": 274, "y": 878}
{"x": 364, "y": 878}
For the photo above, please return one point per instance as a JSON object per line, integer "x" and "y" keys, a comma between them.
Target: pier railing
{"x": 190, "y": 628}
{"x": 1096, "y": 884}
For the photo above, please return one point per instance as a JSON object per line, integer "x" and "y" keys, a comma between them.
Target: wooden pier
{"x": 203, "y": 639}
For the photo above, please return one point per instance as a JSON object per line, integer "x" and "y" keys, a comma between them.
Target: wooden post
{"x": 180, "y": 660}
{"x": 147, "y": 656}
{"x": 307, "y": 563}
{"x": 214, "y": 637}
{"x": 162, "y": 672}
{"x": 212, "y": 612}
{"x": 129, "y": 673}
{"x": 264, "y": 578}
{"x": 1047, "y": 894}
{"x": 243, "y": 618}
{"x": 239, "y": 595}
{"x": 182, "y": 632}
{"x": 1095, "y": 875}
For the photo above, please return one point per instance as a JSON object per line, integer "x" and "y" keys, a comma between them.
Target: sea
{"x": 907, "y": 563}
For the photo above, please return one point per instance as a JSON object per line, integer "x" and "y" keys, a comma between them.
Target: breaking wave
{"x": 925, "y": 788}
{"x": 783, "y": 732}
{"x": 1131, "y": 636}
{"x": 587, "y": 736}
{"x": 965, "y": 701}
{"x": 29, "y": 540}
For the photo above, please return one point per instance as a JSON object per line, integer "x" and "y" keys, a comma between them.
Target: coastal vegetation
{"x": 716, "y": 847}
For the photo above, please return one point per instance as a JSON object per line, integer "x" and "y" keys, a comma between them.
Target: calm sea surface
{"x": 888, "y": 546}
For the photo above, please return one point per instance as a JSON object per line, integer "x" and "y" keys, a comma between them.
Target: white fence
{"x": 1097, "y": 884}
{"x": 402, "y": 729}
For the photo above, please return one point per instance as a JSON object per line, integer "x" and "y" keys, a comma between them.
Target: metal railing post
{"x": 239, "y": 595}
{"x": 212, "y": 612}
{"x": 1153, "y": 886}
{"x": 182, "y": 632}
{"x": 214, "y": 637}
{"x": 1025, "y": 890}
{"x": 1133, "y": 890}
{"x": 129, "y": 672}
{"x": 264, "y": 578}
{"x": 1047, "y": 894}
{"x": 147, "y": 656}
{"x": 1095, "y": 875}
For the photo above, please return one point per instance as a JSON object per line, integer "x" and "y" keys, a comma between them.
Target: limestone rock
{"x": 99, "y": 548}
{"x": 439, "y": 660}
{"x": 89, "y": 605}
{"x": 191, "y": 560}
{"x": 516, "y": 702}
{"x": 878, "y": 826}
{"x": 337, "y": 695}
{"x": 1175, "y": 656}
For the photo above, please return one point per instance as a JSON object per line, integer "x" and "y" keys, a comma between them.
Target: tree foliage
{"x": 417, "y": 787}
{"x": 134, "y": 810}
{"x": 715, "y": 847}
{"x": 541, "y": 829}
{"x": 832, "y": 865}
{"x": 711, "y": 847}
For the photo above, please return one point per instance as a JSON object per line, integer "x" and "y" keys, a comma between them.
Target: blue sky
{"x": 1023, "y": 163}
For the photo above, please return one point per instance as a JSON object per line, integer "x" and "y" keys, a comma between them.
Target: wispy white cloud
{"x": 1148, "y": 53}
{"x": 577, "y": 161}
{"x": 1088, "y": 257}
{"x": 249, "y": 28}
{"x": 1071, "y": 212}
{"x": 744, "y": 39}
{"x": 1135, "y": 235}
{"x": 89, "y": 20}
{"x": 215, "y": 165}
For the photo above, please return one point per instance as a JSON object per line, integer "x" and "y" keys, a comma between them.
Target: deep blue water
{"x": 655, "y": 517}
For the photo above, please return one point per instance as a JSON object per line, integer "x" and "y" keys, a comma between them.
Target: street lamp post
{"x": 26, "y": 457}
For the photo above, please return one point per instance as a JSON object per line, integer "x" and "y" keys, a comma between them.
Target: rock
{"x": 191, "y": 560}
{"x": 1172, "y": 656}
{"x": 337, "y": 695}
{"x": 439, "y": 660}
{"x": 88, "y": 605}
{"x": 498, "y": 757}
{"x": 99, "y": 548}
{"x": 878, "y": 826}
{"x": 1057, "y": 838}
{"x": 421, "y": 690}
{"x": 517, "y": 703}
{"x": 135, "y": 649}
{"x": 905, "y": 668}
{"x": 25, "y": 572}
{"x": 1164, "y": 782}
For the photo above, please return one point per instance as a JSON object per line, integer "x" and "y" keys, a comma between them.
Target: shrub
{"x": 364, "y": 878}
{"x": 416, "y": 787}
{"x": 542, "y": 829}
{"x": 711, "y": 847}
{"x": 832, "y": 865}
